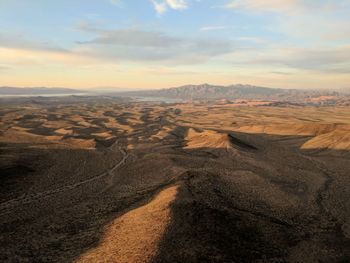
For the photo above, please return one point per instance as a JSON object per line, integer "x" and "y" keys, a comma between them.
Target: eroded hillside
{"x": 110, "y": 181}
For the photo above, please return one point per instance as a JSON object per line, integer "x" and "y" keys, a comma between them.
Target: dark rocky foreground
{"x": 261, "y": 198}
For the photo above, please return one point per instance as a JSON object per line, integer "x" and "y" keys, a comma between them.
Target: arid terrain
{"x": 103, "y": 179}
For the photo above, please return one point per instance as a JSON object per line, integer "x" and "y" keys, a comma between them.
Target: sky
{"x": 142, "y": 44}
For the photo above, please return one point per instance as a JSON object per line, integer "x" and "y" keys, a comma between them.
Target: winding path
{"x": 29, "y": 198}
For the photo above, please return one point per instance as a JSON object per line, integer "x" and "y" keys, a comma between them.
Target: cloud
{"x": 336, "y": 60}
{"x": 315, "y": 27}
{"x": 152, "y": 46}
{"x": 177, "y": 4}
{"x": 322, "y": 60}
{"x": 19, "y": 41}
{"x": 116, "y": 2}
{"x": 114, "y": 46}
{"x": 304, "y": 19}
{"x": 212, "y": 28}
{"x": 18, "y": 50}
{"x": 133, "y": 38}
{"x": 4, "y": 67}
{"x": 162, "y": 6}
{"x": 159, "y": 7}
{"x": 160, "y": 70}
{"x": 290, "y": 6}
{"x": 287, "y": 6}
{"x": 266, "y": 5}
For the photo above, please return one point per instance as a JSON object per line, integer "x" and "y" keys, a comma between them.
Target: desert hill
{"x": 88, "y": 179}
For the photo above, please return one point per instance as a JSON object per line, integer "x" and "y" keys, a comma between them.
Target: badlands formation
{"x": 109, "y": 180}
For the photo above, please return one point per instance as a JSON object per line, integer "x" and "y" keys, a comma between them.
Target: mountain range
{"x": 239, "y": 91}
{"x": 205, "y": 92}
{"x": 37, "y": 91}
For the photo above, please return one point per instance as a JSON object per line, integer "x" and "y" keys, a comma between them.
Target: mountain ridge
{"x": 206, "y": 92}
{"x": 239, "y": 91}
{"x": 7, "y": 90}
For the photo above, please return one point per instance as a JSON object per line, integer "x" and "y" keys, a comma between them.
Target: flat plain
{"x": 107, "y": 180}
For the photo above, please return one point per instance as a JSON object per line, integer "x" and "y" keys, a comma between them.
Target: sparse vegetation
{"x": 105, "y": 179}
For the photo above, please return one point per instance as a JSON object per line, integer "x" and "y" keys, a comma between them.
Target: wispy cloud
{"x": 116, "y": 2}
{"x": 212, "y": 28}
{"x": 177, "y": 4}
{"x": 288, "y": 6}
{"x": 329, "y": 60}
{"x": 19, "y": 41}
{"x": 291, "y": 41}
{"x": 140, "y": 45}
{"x": 4, "y": 67}
{"x": 128, "y": 37}
{"x": 304, "y": 19}
{"x": 266, "y": 5}
{"x": 162, "y": 6}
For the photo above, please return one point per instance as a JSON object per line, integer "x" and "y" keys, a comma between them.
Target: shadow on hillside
{"x": 210, "y": 223}
{"x": 61, "y": 226}
{"x": 206, "y": 227}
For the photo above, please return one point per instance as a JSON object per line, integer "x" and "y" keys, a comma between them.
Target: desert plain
{"x": 104, "y": 179}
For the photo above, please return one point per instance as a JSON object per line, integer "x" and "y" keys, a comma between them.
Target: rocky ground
{"x": 106, "y": 180}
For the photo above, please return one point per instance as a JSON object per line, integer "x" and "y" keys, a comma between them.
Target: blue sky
{"x": 163, "y": 43}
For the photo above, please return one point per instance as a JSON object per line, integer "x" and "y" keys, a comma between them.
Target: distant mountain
{"x": 37, "y": 91}
{"x": 206, "y": 91}
{"x": 238, "y": 91}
